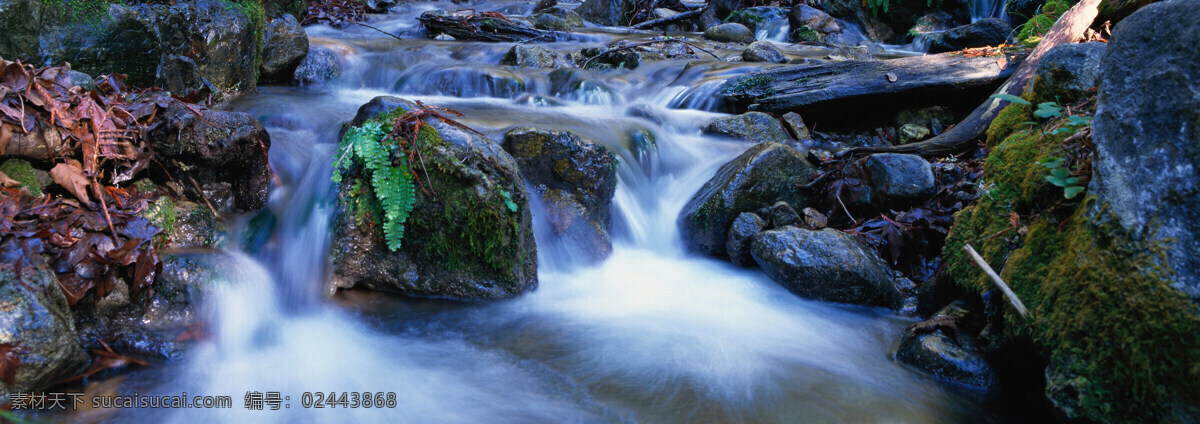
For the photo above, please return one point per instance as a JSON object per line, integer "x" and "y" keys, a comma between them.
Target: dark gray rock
{"x": 755, "y": 127}
{"x": 576, "y": 178}
{"x": 646, "y": 112}
{"x": 284, "y": 45}
{"x": 795, "y": 125}
{"x": 730, "y": 33}
{"x": 901, "y": 177}
{"x": 752, "y": 16}
{"x": 944, "y": 347}
{"x": 37, "y": 318}
{"x": 763, "y": 175}
{"x": 825, "y": 265}
{"x": 551, "y": 22}
{"x": 603, "y": 59}
{"x": 20, "y": 22}
{"x": 318, "y": 67}
{"x": 607, "y": 12}
{"x": 743, "y": 228}
{"x": 225, "y": 152}
{"x": 763, "y": 51}
{"x": 529, "y": 57}
{"x": 1147, "y": 133}
{"x": 572, "y": 19}
{"x": 464, "y": 243}
{"x": 877, "y": 26}
{"x": 1067, "y": 72}
{"x": 986, "y": 32}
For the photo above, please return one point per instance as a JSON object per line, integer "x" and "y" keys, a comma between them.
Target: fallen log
{"x": 1070, "y": 27}
{"x": 486, "y": 26}
{"x": 809, "y": 87}
{"x": 671, "y": 19}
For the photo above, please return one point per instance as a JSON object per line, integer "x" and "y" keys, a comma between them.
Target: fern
{"x": 369, "y": 146}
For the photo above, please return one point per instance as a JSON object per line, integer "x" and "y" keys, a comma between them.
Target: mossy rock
{"x": 469, "y": 235}
{"x": 23, "y": 172}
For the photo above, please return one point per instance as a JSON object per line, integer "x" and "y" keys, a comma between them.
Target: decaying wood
{"x": 468, "y": 25}
{"x": 671, "y": 19}
{"x": 39, "y": 144}
{"x": 788, "y": 88}
{"x": 987, "y": 269}
{"x": 1070, "y": 27}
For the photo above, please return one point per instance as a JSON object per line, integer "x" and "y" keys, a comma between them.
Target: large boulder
{"x": 224, "y": 152}
{"x": 1068, "y": 72}
{"x": 730, "y": 33}
{"x": 576, "y": 178}
{"x": 763, "y": 51}
{"x": 764, "y": 174}
{"x": 39, "y": 331}
{"x": 20, "y": 22}
{"x": 986, "y": 32}
{"x": 284, "y": 45}
{"x": 825, "y": 265}
{"x": 755, "y": 127}
{"x": 1147, "y": 133}
{"x": 320, "y": 66}
{"x": 206, "y": 45}
{"x": 607, "y": 12}
{"x": 470, "y": 237}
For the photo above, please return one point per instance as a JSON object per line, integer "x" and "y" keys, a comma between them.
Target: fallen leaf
{"x": 71, "y": 177}
{"x": 891, "y": 77}
{"x": 1014, "y": 219}
{"x": 8, "y": 182}
{"x": 5, "y": 137}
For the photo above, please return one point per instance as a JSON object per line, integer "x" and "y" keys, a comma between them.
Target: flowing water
{"x": 651, "y": 334}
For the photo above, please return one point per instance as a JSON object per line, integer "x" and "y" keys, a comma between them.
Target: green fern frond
{"x": 393, "y": 185}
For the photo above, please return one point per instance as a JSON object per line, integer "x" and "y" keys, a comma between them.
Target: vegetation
{"x": 1036, "y": 27}
{"x": 383, "y": 165}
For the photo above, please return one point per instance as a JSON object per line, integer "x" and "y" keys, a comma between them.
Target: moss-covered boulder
{"x": 759, "y": 177}
{"x": 1106, "y": 278}
{"x": 38, "y": 329}
{"x": 469, "y": 234}
{"x": 576, "y": 178}
{"x": 1068, "y": 72}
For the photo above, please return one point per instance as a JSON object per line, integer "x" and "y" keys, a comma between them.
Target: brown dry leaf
{"x": 9, "y": 361}
{"x": 1014, "y": 219}
{"x": 71, "y": 177}
{"x": 8, "y": 182}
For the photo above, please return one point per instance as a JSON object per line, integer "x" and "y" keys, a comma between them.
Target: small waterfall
{"x": 983, "y": 9}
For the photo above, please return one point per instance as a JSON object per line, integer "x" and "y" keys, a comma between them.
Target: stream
{"x": 652, "y": 334}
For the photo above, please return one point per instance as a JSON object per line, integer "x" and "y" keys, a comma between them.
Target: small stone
{"x": 901, "y": 177}
{"x": 814, "y": 220}
{"x": 782, "y": 215}
{"x": 796, "y": 126}
{"x": 749, "y": 126}
{"x": 529, "y": 57}
{"x": 737, "y": 246}
{"x": 763, "y": 51}
{"x": 912, "y": 132}
{"x": 730, "y": 33}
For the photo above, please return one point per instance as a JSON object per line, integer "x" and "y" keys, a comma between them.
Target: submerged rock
{"x": 1068, "y": 72}
{"x": 901, "y": 177}
{"x": 225, "y": 152}
{"x": 763, "y": 51}
{"x": 986, "y": 32}
{"x": 825, "y": 265}
{"x": 471, "y": 237}
{"x": 730, "y": 33}
{"x": 763, "y": 175}
{"x": 754, "y": 127}
{"x": 737, "y": 246}
{"x": 576, "y": 178}
{"x": 529, "y": 57}
{"x": 318, "y": 67}
{"x": 944, "y": 346}
{"x": 284, "y": 45}
{"x": 38, "y": 323}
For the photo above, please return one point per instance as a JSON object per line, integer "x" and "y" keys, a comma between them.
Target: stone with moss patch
{"x": 23, "y": 172}
{"x": 469, "y": 235}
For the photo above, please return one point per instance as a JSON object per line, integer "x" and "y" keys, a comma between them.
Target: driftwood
{"x": 487, "y": 26}
{"x": 1069, "y": 27}
{"x": 671, "y": 19}
{"x": 991, "y": 273}
{"x": 815, "y": 88}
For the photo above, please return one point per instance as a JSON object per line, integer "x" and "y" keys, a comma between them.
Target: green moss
{"x": 1013, "y": 118}
{"x": 753, "y": 85}
{"x": 1044, "y": 19}
{"x": 806, "y": 34}
{"x": 161, "y": 213}
{"x": 22, "y": 172}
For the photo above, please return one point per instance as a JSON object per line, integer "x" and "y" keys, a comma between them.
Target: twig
{"x": 200, "y": 192}
{"x": 670, "y": 19}
{"x": 377, "y": 29}
{"x": 104, "y": 204}
{"x": 646, "y": 43}
{"x": 1008, "y": 293}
